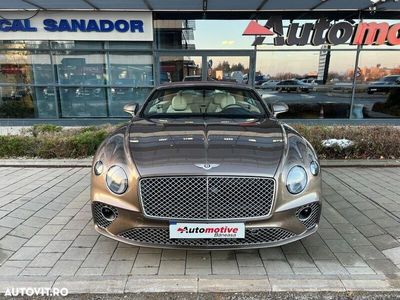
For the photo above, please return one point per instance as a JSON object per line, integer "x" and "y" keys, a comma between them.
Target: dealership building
{"x": 79, "y": 62}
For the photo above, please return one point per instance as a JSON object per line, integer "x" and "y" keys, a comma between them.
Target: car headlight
{"x": 98, "y": 168}
{"x": 296, "y": 180}
{"x": 314, "y": 168}
{"x": 116, "y": 180}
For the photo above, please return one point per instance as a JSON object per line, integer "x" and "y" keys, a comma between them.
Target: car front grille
{"x": 160, "y": 236}
{"x": 207, "y": 197}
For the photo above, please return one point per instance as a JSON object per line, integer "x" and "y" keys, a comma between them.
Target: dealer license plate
{"x": 206, "y": 230}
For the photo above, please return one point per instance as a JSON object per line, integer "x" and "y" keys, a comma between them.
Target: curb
{"x": 87, "y": 163}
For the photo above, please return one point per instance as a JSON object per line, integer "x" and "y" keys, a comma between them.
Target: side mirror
{"x": 131, "y": 109}
{"x": 279, "y": 108}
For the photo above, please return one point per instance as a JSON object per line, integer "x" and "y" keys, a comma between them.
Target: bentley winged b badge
{"x": 207, "y": 166}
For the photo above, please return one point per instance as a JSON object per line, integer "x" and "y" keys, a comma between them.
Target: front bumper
{"x": 133, "y": 228}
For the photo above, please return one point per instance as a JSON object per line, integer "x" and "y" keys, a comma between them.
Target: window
{"x": 204, "y": 102}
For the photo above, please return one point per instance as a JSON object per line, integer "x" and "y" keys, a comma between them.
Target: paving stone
{"x": 147, "y": 260}
{"x": 249, "y": 260}
{"x": 300, "y": 260}
{"x": 67, "y": 235}
{"x": 37, "y": 222}
{"x": 393, "y": 254}
{"x": 39, "y": 241}
{"x": 274, "y": 267}
{"x": 370, "y": 230}
{"x": 12, "y": 243}
{"x": 145, "y": 271}
{"x": 339, "y": 246}
{"x": 44, "y": 260}
{"x": 75, "y": 254}
{"x": 126, "y": 254}
{"x": 94, "y": 260}
{"x": 383, "y": 266}
{"x": 198, "y": 261}
{"x": 50, "y": 229}
{"x": 57, "y": 246}
{"x": 118, "y": 268}
{"x": 35, "y": 271}
{"x": 225, "y": 267}
{"x": 107, "y": 246}
{"x": 356, "y": 239}
{"x": 369, "y": 252}
{"x": 306, "y": 271}
{"x": 85, "y": 241}
{"x": 10, "y": 222}
{"x": 172, "y": 267}
{"x": 320, "y": 252}
{"x": 385, "y": 241}
{"x": 272, "y": 253}
{"x": 26, "y": 253}
{"x": 24, "y": 231}
{"x": 13, "y": 267}
{"x": 198, "y": 271}
{"x": 65, "y": 268}
{"x": 360, "y": 271}
{"x": 330, "y": 267}
{"x": 243, "y": 270}
{"x": 89, "y": 272}
{"x": 4, "y": 231}
{"x": 351, "y": 260}
{"x": 329, "y": 234}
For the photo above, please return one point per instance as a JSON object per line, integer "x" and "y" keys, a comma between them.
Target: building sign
{"x": 323, "y": 31}
{"x": 88, "y": 26}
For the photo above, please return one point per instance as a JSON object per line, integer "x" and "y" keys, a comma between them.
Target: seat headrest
{"x": 179, "y": 103}
{"x": 227, "y": 100}
{"x": 218, "y": 98}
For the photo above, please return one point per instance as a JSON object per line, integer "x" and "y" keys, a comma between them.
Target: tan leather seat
{"x": 179, "y": 105}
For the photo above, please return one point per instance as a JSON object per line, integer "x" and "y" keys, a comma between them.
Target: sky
{"x": 227, "y": 34}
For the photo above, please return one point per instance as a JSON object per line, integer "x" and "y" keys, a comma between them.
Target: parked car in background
{"x": 384, "y": 85}
{"x": 270, "y": 84}
{"x": 293, "y": 85}
{"x": 206, "y": 165}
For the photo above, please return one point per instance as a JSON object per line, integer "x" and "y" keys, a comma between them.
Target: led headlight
{"x": 116, "y": 180}
{"x": 296, "y": 180}
{"x": 98, "y": 168}
{"x": 314, "y": 168}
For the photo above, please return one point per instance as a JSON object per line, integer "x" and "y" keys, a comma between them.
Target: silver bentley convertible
{"x": 206, "y": 165}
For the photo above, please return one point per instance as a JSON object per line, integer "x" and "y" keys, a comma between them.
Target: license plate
{"x": 206, "y": 230}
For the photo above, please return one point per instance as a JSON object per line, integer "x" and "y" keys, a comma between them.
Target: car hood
{"x": 206, "y": 147}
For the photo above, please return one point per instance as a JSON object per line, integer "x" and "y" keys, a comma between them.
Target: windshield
{"x": 204, "y": 102}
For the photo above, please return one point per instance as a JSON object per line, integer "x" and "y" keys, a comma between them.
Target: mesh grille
{"x": 160, "y": 236}
{"x": 98, "y": 216}
{"x": 314, "y": 217}
{"x": 201, "y": 197}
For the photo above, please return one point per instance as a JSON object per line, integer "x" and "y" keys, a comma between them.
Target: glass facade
{"x": 79, "y": 79}
{"x": 67, "y": 79}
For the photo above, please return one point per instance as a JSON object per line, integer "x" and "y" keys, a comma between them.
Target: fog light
{"x": 108, "y": 213}
{"x": 305, "y": 213}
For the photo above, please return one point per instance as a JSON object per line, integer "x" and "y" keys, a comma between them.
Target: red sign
{"x": 324, "y": 32}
